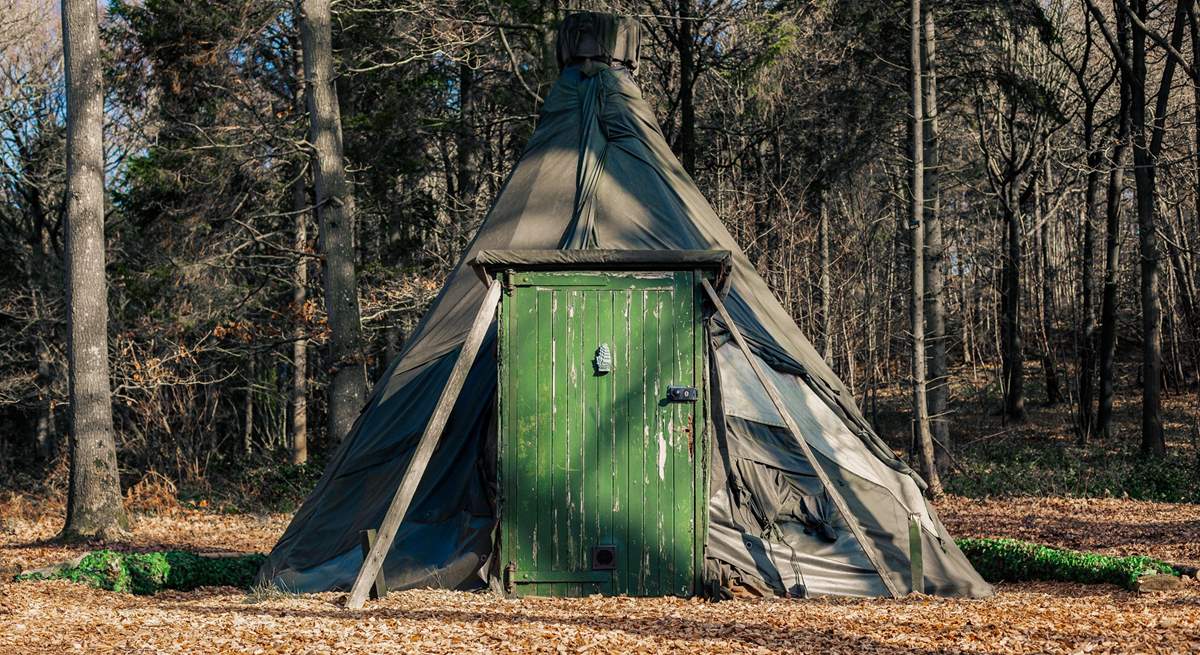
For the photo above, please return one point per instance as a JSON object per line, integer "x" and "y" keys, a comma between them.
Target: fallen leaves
{"x": 55, "y": 617}
{"x": 60, "y": 617}
{"x": 1114, "y": 526}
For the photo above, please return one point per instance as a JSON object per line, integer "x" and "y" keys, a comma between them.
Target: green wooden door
{"x": 602, "y": 476}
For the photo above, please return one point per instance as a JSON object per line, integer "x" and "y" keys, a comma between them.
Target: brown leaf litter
{"x": 60, "y": 617}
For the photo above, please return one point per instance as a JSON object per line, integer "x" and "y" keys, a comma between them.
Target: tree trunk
{"x": 1087, "y": 264}
{"x": 687, "y": 80}
{"x": 1012, "y": 349}
{"x": 299, "y": 450}
{"x": 1145, "y": 158}
{"x": 826, "y": 313}
{"x": 1112, "y": 241}
{"x": 335, "y": 211}
{"x": 935, "y": 253}
{"x": 466, "y": 179}
{"x": 921, "y": 431}
{"x": 248, "y": 405}
{"x": 94, "y": 507}
{"x": 1054, "y": 395}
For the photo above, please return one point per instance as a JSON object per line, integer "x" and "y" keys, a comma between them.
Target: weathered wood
{"x": 425, "y": 447}
{"x": 916, "y": 554}
{"x": 777, "y": 400}
{"x": 366, "y": 540}
{"x": 588, "y": 458}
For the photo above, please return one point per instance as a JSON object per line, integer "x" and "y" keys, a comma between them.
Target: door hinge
{"x": 507, "y": 285}
{"x": 510, "y": 577}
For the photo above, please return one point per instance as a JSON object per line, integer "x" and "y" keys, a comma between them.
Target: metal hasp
{"x": 603, "y": 489}
{"x": 678, "y": 394}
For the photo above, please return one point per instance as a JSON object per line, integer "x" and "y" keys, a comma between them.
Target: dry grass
{"x": 59, "y": 617}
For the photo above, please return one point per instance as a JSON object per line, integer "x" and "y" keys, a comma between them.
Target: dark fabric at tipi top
{"x": 598, "y": 174}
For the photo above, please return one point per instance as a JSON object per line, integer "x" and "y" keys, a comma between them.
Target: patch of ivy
{"x": 148, "y": 573}
{"x": 1013, "y": 560}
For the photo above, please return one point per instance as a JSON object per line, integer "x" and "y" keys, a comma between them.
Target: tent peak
{"x": 593, "y": 36}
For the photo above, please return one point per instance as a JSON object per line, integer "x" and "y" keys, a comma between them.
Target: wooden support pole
{"x": 916, "y": 558}
{"x": 777, "y": 400}
{"x": 366, "y": 540}
{"x": 425, "y": 447}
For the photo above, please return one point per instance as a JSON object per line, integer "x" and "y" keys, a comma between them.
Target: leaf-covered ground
{"x": 60, "y": 617}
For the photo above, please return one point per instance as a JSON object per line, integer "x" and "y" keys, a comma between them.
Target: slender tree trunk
{"x": 1012, "y": 346}
{"x": 687, "y": 79}
{"x": 299, "y": 405}
{"x": 1112, "y": 239}
{"x": 335, "y": 210}
{"x": 1112, "y": 265}
{"x": 1145, "y": 156}
{"x": 466, "y": 185}
{"x": 826, "y": 287}
{"x": 1054, "y": 394}
{"x": 40, "y": 276}
{"x": 935, "y": 253}
{"x": 248, "y": 406}
{"x": 94, "y": 506}
{"x": 1087, "y": 264}
{"x": 921, "y": 430}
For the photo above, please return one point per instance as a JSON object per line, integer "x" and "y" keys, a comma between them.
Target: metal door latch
{"x": 678, "y": 394}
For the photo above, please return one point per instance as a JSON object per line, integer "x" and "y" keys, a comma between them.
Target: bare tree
{"x": 1147, "y": 146}
{"x": 335, "y": 211}
{"x": 921, "y": 431}
{"x": 299, "y": 450}
{"x": 94, "y": 506}
{"x": 935, "y": 251}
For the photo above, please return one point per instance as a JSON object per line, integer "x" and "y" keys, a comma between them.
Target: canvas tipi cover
{"x": 597, "y": 173}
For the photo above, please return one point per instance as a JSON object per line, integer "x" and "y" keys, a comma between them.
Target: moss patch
{"x": 1013, "y": 560}
{"x": 149, "y": 573}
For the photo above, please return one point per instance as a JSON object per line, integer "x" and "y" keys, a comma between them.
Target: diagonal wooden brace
{"x": 777, "y": 400}
{"x": 425, "y": 447}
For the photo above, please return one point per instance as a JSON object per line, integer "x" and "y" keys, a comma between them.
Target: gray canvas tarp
{"x": 598, "y": 174}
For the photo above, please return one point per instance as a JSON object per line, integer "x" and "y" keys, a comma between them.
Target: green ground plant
{"x": 148, "y": 573}
{"x": 1013, "y": 560}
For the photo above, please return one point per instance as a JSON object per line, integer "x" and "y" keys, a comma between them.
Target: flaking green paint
{"x": 590, "y": 459}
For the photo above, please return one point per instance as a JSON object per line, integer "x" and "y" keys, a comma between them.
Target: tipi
{"x": 621, "y": 428}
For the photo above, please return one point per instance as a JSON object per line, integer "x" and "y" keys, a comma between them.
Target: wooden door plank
{"x": 684, "y": 366}
{"x": 424, "y": 450}
{"x": 573, "y": 438}
{"x": 559, "y": 412}
{"x": 523, "y": 374}
{"x": 636, "y": 427}
{"x": 653, "y": 475}
{"x": 622, "y": 407}
{"x": 542, "y": 554}
{"x": 589, "y": 529}
{"x": 702, "y": 433}
{"x": 777, "y": 400}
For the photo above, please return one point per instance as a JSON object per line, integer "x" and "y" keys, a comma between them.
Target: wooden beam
{"x": 777, "y": 400}
{"x": 366, "y": 540}
{"x": 425, "y": 447}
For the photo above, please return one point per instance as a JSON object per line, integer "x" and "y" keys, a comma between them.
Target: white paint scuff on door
{"x": 662, "y": 457}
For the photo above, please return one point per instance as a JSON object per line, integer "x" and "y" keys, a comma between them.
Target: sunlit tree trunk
{"x": 935, "y": 252}
{"x": 335, "y": 211}
{"x": 299, "y": 404}
{"x": 94, "y": 506}
{"x": 826, "y": 285}
{"x": 921, "y": 431}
